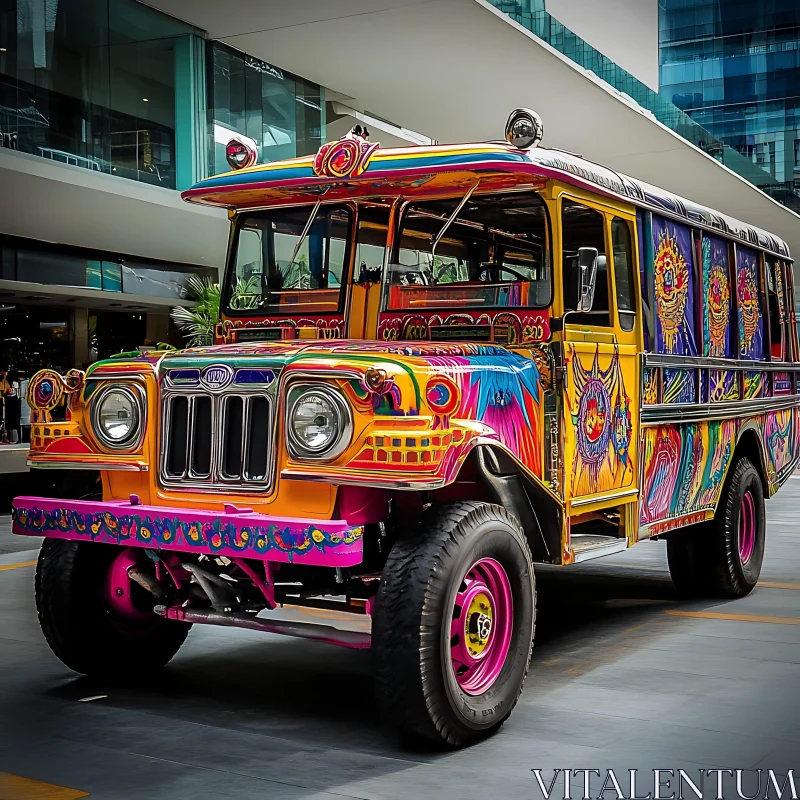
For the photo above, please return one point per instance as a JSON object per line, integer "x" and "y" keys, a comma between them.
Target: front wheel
{"x": 723, "y": 557}
{"x": 454, "y": 623}
{"x": 94, "y": 617}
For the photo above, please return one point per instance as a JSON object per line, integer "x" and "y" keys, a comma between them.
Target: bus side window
{"x": 777, "y": 309}
{"x": 791, "y": 331}
{"x": 623, "y": 272}
{"x": 582, "y": 226}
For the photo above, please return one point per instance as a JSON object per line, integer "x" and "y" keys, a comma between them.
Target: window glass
{"x": 281, "y": 114}
{"x": 84, "y": 269}
{"x": 776, "y": 307}
{"x": 717, "y": 298}
{"x": 308, "y": 107}
{"x": 673, "y": 287}
{"x": 582, "y": 226}
{"x": 623, "y": 272}
{"x": 751, "y": 315}
{"x": 373, "y": 225}
{"x": 790, "y": 335}
{"x": 494, "y": 253}
{"x": 92, "y": 84}
{"x": 278, "y": 269}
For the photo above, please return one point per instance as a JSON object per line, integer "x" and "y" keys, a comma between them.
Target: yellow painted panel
{"x": 600, "y": 417}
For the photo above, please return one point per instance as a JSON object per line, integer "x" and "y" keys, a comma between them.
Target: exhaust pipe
{"x": 302, "y": 630}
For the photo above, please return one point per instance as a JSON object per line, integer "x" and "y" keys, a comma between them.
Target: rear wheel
{"x": 723, "y": 557}
{"x": 453, "y": 626}
{"x": 94, "y": 617}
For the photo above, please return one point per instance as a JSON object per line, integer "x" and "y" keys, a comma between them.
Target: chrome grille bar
{"x": 217, "y": 441}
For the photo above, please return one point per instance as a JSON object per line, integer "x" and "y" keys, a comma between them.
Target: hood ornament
{"x": 347, "y": 158}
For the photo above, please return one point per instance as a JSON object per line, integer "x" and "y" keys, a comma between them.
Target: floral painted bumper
{"x": 235, "y": 533}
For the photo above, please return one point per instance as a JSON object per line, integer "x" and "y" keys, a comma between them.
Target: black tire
{"x": 81, "y": 630}
{"x": 705, "y": 561}
{"x": 416, "y": 684}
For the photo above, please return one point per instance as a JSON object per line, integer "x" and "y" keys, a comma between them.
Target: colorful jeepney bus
{"x": 436, "y": 367}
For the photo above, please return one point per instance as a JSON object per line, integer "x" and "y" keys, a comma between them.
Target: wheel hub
{"x": 117, "y": 586}
{"x": 478, "y": 627}
{"x": 480, "y": 633}
{"x": 747, "y": 527}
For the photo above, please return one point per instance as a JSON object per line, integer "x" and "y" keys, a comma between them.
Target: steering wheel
{"x": 502, "y": 268}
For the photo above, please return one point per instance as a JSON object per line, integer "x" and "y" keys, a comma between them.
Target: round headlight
{"x": 319, "y": 423}
{"x": 115, "y": 417}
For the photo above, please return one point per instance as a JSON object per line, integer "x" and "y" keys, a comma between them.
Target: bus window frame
{"x": 397, "y": 221}
{"x": 634, "y": 298}
{"x": 261, "y": 312}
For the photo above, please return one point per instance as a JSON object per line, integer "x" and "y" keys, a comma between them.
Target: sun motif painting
{"x": 751, "y": 322}
{"x": 716, "y": 297}
{"x": 673, "y": 288}
{"x": 601, "y": 414}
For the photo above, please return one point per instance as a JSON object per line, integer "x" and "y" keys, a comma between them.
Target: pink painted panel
{"x": 244, "y": 534}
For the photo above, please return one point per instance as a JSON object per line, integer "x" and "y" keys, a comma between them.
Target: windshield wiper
{"x": 438, "y": 237}
{"x": 305, "y": 230}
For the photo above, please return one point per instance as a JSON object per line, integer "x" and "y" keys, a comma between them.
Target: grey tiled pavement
{"x": 615, "y": 682}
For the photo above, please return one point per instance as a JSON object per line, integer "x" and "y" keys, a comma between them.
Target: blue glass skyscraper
{"x": 734, "y": 67}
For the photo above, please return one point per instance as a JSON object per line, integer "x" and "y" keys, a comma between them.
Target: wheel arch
{"x": 750, "y": 444}
{"x": 509, "y": 485}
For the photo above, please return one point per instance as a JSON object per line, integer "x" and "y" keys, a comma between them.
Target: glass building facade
{"x": 281, "y": 113}
{"x": 531, "y": 14}
{"x": 733, "y": 66}
{"x": 117, "y": 87}
{"x": 93, "y": 83}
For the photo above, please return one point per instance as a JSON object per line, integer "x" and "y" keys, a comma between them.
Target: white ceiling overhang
{"x": 454, "y": 69}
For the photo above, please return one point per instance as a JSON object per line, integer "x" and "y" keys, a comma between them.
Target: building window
{"x": 92, "y": 83}
{"x": 36, "y": 262}
{"x": 282, "y": 114}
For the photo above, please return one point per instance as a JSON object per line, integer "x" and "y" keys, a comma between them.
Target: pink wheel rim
{"x": 480, "y": 630}
{"x": 117, "y": 586}
{"x": 747, "y": 527}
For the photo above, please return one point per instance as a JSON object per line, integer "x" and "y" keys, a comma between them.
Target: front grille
{"x": 216, "y": 441}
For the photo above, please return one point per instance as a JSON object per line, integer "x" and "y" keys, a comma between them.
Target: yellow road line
{"x": 13, "y": 787}
{"x": 734, "y": 617}
{"x": 772, "y": 585}
{"x": 4, "y": 567}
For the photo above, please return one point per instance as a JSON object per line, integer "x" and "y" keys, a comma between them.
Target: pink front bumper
{"x": 234, "y": 533}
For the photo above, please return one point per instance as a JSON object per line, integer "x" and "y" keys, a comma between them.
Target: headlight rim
{"x": 133, "y": 440}
{"x": 296, "y": 449}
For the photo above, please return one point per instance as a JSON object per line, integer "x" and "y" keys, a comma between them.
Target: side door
{"x": 601, "y": 361}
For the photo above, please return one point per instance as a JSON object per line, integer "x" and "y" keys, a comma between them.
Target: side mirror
{"x": 587, "y": 273}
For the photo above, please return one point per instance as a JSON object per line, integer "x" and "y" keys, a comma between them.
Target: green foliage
{"x": 246, "y": 293}
{"x": 197, "y": 322}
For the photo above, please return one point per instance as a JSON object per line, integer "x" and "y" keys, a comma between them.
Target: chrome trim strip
{"x": 104, "y": 465}
{"x": 214, "y": 480}
{"x": 588, "y": 501}
{"x": 616, "y": 546}
{"x": 359, "y": 480}
{"x": 707, "y": 362}
{"x": 664, "y": 413}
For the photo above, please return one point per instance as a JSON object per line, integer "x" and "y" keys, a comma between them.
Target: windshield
{"x": 495, "y": 253}
{"x": 278, "y": 270}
